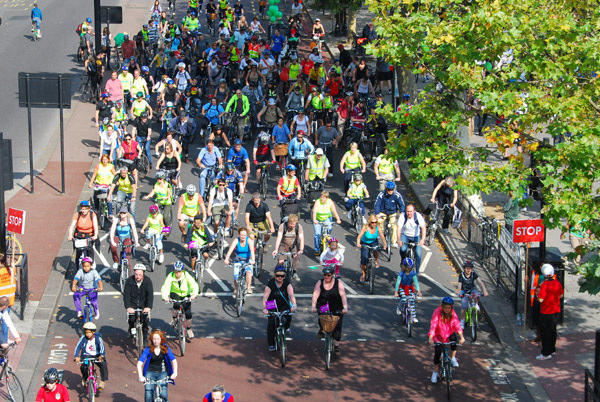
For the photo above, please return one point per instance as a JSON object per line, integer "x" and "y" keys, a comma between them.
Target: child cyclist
{"x": 357, "y": 192}
{"x": 86, "y": 279}
{"x": 333, "y": 255}
{"x": 91, "y": 346}
{"x": 444, "y": 328}
{"x": 155, "y": 224}
{"x": 467, "y": 289}
{"x": 407, "y": 283}
{"x": 52, "y": 391}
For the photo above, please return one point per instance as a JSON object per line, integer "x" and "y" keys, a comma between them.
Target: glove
{"x": 273, "y": 162}
{"x": 255, "y": 162}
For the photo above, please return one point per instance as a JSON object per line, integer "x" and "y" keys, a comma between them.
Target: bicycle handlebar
{"x": 159, "y": 382}
{"x": 279, "y": 313}
{"x": 185, "y": 299}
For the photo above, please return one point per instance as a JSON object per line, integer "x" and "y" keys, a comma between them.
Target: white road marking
{"x": 424, "y": 247}
{"x": 104, "y": 262}
{"x": 352, "y": 291}
{"x": 439, "y": 285}
{"x": 425, "y": 262}
{"x": 216, "y": 278}
{"x": 104, "y": 237}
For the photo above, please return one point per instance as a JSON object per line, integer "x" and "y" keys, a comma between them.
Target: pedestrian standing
{"x": 551, "y": 291}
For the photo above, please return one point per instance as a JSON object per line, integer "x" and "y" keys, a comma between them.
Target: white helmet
{"x": 547, "y": 270}
{"x": 139, "y": 267}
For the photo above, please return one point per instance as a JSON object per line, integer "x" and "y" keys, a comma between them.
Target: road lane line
{"x": 104, "y": 262}
{"x": 216, "y": 278}
{"x": 352, "y": 291}
{"x": 104, "y": 237}
{"x": 425, "y": 262}
{"x": 439, "y": 285}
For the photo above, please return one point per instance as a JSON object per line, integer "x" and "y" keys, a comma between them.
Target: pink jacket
{"x": 440, "y": 330}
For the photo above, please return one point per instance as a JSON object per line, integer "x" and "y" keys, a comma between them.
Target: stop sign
{"x": 528, "y": 230}
{"x": 16, "y": 221}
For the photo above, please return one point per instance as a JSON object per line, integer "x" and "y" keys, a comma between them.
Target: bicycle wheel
{"x": 12, "y": 244}
{"x": 124, "y": 273}
{"x": 114, "y": 62}
{"x": 431, "y": 229}
{"x": 357, "y": 221}
{"x": 281, "y": 345}
{"x": 85, "y": 93}
{"x": 182, "y": 335}
{"x": 388, "y": 239}
{"x": 152, "y": 257}
{"x": 263, "y": 187}
{"x": 90, "y": 390}
{"x": 409, "y": 322}
{"x": 143, "y": 166}
{"x": 239, "y": 297}
{"x": 221, "y": 246}
{"x": 399, "y": 311}
{"x": 371, "y": 270}
{"x": 199, "y": 274}
{"x": 473, "y": 322}
{"x": 259, "y": 257}
{"x": 14, "y": 387}
{"x": 448, "y": 371}
{"x": 139, "y": 338}
{"x": 87, "y": 313}
{"x": 101, "y": 214}
{"x": 328, "y": 349}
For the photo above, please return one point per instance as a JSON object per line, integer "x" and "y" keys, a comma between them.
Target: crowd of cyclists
{"x": 211, "y": 78}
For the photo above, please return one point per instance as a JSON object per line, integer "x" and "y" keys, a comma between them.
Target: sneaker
{"x": 161, "y": 258}
{"x": 101, "y": 385}
{"x": 79, "y": 314}
{"x": 288, "y": 332}
{"x": 317, "y": 252}
{"x": 82, "y": 382}
{"x": 115, "y": 265}
{"x": 415, "y": 321}
{"x": 234, "y": 295}
{"x": 296, "y": 277}
{"x": 190, "y": 333}
{"x": 146, "y": 246}
{"x": 249, "y": 291}
{"x": 330, "y": 175}
{"x": 454, "y": 362}
{"x": 97, "y": 316}
{"x": 462, "y": 324}
{"x": 477, "y": 307}
{"x": 349, "y": 214}
{"x": 272, "y": 349}
{"x": 434, "y": 377}
{"x": 542, "y": 357}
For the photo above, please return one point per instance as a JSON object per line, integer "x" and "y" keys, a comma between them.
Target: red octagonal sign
{"x": 528, "y": 230}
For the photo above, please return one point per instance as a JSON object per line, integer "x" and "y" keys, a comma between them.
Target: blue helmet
{"x": 88, "y": 20}
{"x": 390, "y": 185}
{"x": 279, "y": 268}
{"x": 84, "y": 203}
{"x": 237, "y": 142}
{"x": 170, "y": 82}
{"x": 408, "y": 262}
{"x": 290, "y": 167}
{"x": 448, "y": 300}
{"x": 178, "y": 266}
{"x": 145, "y": 69}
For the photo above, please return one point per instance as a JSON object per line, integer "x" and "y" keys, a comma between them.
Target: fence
{"x": 592, "y": 389}
{"x": 499, "y": 256}
{"x": 22, "y": 294}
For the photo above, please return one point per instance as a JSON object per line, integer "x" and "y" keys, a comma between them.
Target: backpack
{"x": 456, "y": 218}
{"x": 415, "y": 217}
{"x": 78, "y": 29}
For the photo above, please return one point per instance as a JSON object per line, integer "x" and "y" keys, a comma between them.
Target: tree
{"x": 531, "y": 65}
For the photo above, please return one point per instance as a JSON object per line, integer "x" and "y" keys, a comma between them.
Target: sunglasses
{"x": 52, "y": 382}
{"x": 221, "y": 185}
{"x": 372, "y": 222}
{"x": 127, "y": 138}
{"x": 327, "y": 274}
{"x": 280, "y": 276}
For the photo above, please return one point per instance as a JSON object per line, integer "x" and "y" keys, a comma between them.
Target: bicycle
{"x": 13, "y": 246}
{"x": 328, "y": 323}
{"x": 356, "y": 216}
{"x": 434, "y": 223}
{"x": 180, "y": 323}
{"x": 387, "y": 234}
{"x": 83, "y": 249}
{"x": 220, "y": 236}
{"x": 301, "y": 169}
{"x": 13, "y": 385}
{"x": 158, "y": 384}
{"x": 264, "y": 179}
{"x": 403, "y": 309}
{"x": 172, "y": 8}
{"x": 280, "y": 345}
{"x": 88, "y": 90}
{"x": 37, "y": 35}
{"x": 260, "y": 247}
{"x": 313, "y": 187}
{"x": 123, "y": 265}
{"x": 138, "y": 331}
{"x": 240, "y": 294}
{"x": 88, "y": 309}
{"x": 371, "y": 268}
{"x": 326, "y": 229}
{"x": 446, "y": 365}
{"x": 200, "y": 265}
{"x": 92, "y": 380}
{"x": 471, "y": 315}
{"x": 289, "y": 270}
{"x": 142, "y": 163}
{"x": 102, "y": 204}
{"x": 153, "y": 250}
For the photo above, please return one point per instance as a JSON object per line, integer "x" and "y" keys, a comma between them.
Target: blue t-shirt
{"x": 278, "y": 41}
{"x": 280, "y": 134}
{"x": 407, "y": 279}
{"x": 237, "y": 158}
{"x": 231, "y": 179}
{"x": 213, "y": 112}
{"x": 209, "y": 159}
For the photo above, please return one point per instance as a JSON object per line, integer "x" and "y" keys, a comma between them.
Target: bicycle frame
{"x": 288, "y": 264}
{"x": 88, "y": 304}
{"x": 158, "y": 384}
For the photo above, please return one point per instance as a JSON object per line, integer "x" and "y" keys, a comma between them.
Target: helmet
{"x": 301, "y": 132}
{"x": 119, "y": 104}
{"x": 139, "y": 267}
{"x": 357, "y": 176}
{"x": 290, "y": 168}
{"x": 153, "y": 209}
{"x": 279, "y": 268}
{"x": 51, "y": 375}
{"x": 333, "y": 240}
{"x": 169, "y": 104}
{"x": 272, "y": 102}
{"x": 125, "y": 68}
{"x": 88, "y": 20}
{"x": 181, "y": 64}
{"x": 237, "y": 142}
{"x": 390, "y": 185}
{"x": 84, "y": 203}
{"x": 145, "y": 26}
{"x": 378, "y": 94}
{"x": 406, "y": 96}
{"x": 448, "y": 300}
{"x": 193, "y": 13}
{"x": 190, "y": 189}
{"x": 89, "y": 325}
{"x": 362, "y": 100}
{"x": 178, "y": 266}
{"x": 263, "y": 138}
{"x": 145, "y": 69}
{"x": 301, "y": 110}
{"x": 468, "y": 263}
{"x": 143, "y": 114}
{"x": 125, "y": 37}
{"x": 160, "y": 174}
{"x": 87, "y": 259}
{"x": 170, "y": 82}
{"x": 139, "y": 94}
{"x": 105, "y": 120}
{"x": 408, "y": 262}
{"x": 105, "y": 94}
{"x": 328, "y": 269}
{"x": 229, "y": 166}
{"x": 547, "y": 270}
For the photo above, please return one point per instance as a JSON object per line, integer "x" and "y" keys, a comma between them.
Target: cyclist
{"x": 220, "y": 202}
{"x": 91, "y": 346}
{"x": 282, "y": 291}
{"x": 389, "y": 204}
{"x": 317, "y": 167}
{"x": 180, "y": 284}
{"x": 126, "y": 186}
{"x": 369, "y": 235}
{"x": 218, "y": 394}
{"x": 84, "y": 226}
{"x": 52, "y": 391}
{"x": 356, "y": 193}
{"x": 288, "y": 187}
{"x": 330, "y": 291}
{"x": 244, "y": 250}
{"x": 139, "y": 106}
{"x": 446, "y": 196}
{"x": 212, "y": 111}
{"x": 142, "y": 130}
{"x": 444, "y": 327}
{"x": 239, "y": 105}
{"x": 290, "y": 239}
{"x": 300, "y": 122}
{"x": 184, "y": 126}
{"x": 170, "y": 161}
{"x": 104, "y": 108}
{"x": 327, "y": 137}
{"x": 352, "y": 162}
{"x": 467, "y": 289}
{"x": 208, "y": 158}
{"x": 407, "y": 283}
{"x": 201, "y": 236}
{"x": 163, "y": 192}
{"x": 36, "y": 19}
{"x": 323, "y": 211}
{"x": 261, "y": 152}
{"x": 333, "y": 255}
{"x": 155, "y": 224}
{"x": 299, "y": 148}
{"x": 234, "y": 182}
{"x": 385, "y": 167}
{"x": 86, "y": 279}
{"x": 358, "y": 118}
{"x": 123, "y": 231}
{"x": 138, "y": 294}
{"x": 190, "y": 205}
{"x": 7, "y": 323}
{"x": 412, "y": 228}
{"x": 239, "y": 157}
{"x": 258, "y": 216}
{"x": 271, "y": 114}
{"x": 157, "y": 362}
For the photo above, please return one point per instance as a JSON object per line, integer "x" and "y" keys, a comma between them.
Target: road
{"x": 378, "y": 359}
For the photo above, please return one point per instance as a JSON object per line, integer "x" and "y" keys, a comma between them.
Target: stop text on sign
{"x": 528, "y": 230}
{"x": 16, "y": 221}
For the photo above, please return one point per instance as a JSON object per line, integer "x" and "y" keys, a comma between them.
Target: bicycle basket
{"x": 328, "y": 322}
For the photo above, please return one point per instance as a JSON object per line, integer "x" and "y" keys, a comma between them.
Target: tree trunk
{"x": 351, "y": 26}
{"x": 406, "y": 83}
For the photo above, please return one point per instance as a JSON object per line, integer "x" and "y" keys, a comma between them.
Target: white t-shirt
{"x": 301, "y": 125}
{"x": 107, "y": 140}
{"x": 314, "y": 57}
{"x": 296, "y": 9}
{"x": 90, "y": 347}
{"x": 410, "y": 228}
{"x": 255, "y": 27}
{"x": 265, "y": 65}
{"x": 220, "y": 198}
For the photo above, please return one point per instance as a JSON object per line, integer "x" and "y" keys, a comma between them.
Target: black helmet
{"x": 143, "y": 114}
{"x": 329, "y": 269}
{"x": 51, "y": 375}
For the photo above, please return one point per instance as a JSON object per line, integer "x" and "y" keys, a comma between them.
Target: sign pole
{"x": 3, "y": 225}
{"x": 526, "y": 297}
{"x": 62, "y": 135}
{"x": 28, "y": 94}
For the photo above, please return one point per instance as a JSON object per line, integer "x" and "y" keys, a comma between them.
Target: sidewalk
{"x": 558, "y": 379}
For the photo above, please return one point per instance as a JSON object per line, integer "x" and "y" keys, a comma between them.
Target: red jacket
{"x": 550, "y": 293}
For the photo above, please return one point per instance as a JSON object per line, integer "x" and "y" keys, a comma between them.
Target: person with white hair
{"x": 551, "y": 291}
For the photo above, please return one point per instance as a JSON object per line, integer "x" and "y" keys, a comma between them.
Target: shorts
{"x": 220, "y": 210}
{"x": 236, "y": 270}
{"x": 264, "y": 225}
{"x": 384, "y": 75}
{"x": 264, "y": 158}
{"x": 185, "y": 217}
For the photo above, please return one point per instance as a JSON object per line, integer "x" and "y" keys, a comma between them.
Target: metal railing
{"x": 22, "y": 293}
{"x": 592, "y": 389}
{"x": 498, "y": 255}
